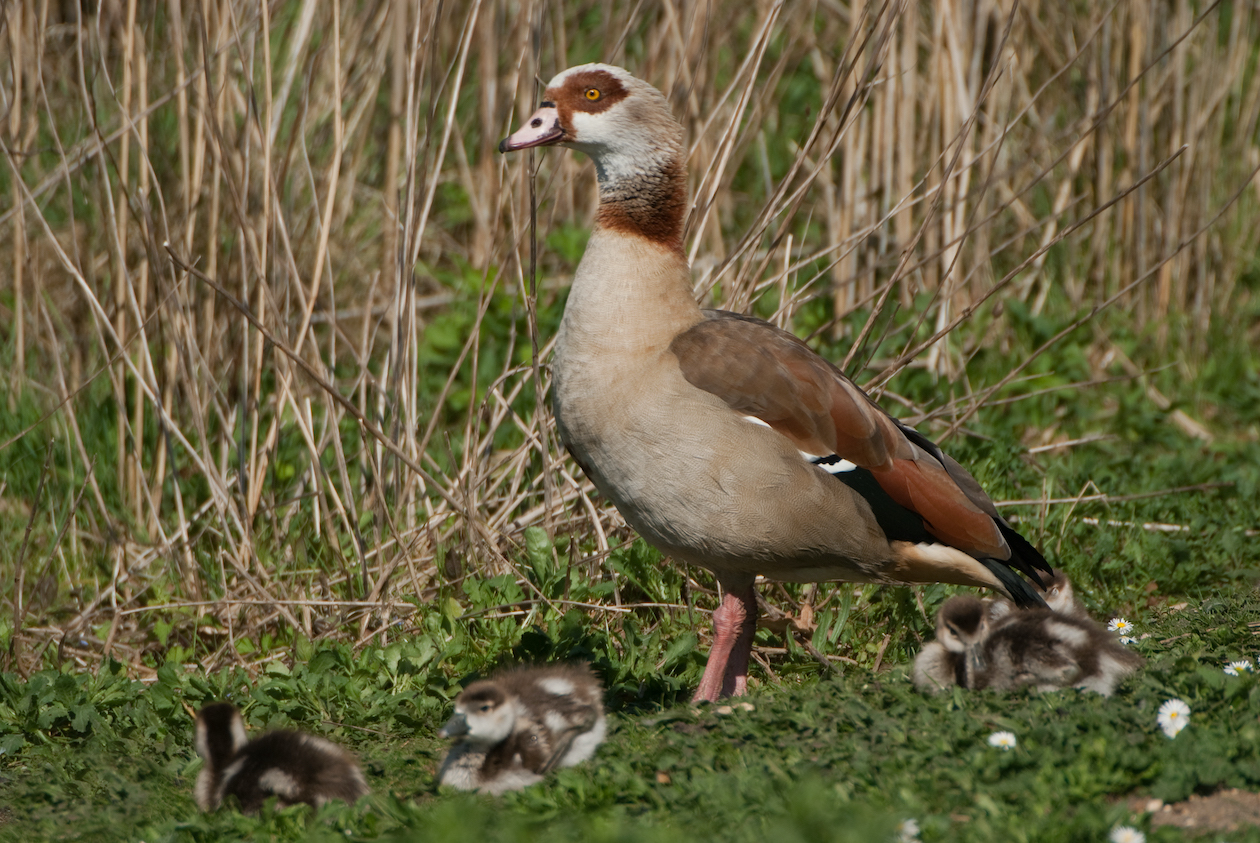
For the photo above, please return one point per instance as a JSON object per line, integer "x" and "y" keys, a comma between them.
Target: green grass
{"x": 99, "y": 758}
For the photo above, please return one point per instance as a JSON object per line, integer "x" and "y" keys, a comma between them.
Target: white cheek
{"x": 617, "y": 144}
{"x": 279, "y": 782}
{"x": 493, "y": 726}
{"x": 950, "y": 641}
{"x": 201, "y": 742}
{"x": 239, "y": 738}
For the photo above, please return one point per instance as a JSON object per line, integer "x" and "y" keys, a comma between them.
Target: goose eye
{"x": 592, "y": 94}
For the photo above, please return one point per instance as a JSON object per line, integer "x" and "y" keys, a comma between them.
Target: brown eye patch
{"x": 591, "y": 91}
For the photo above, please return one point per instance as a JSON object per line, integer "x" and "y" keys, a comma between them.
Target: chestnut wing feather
{"x": 762, "y": 371}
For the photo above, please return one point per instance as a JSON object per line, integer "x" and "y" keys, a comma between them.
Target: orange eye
{"x": 592, "y": 94}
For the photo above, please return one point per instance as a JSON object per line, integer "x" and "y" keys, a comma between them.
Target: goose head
{"x": 485, "y": 715}
{"x": 625, "y": 126}
{"x": 1061, "y": 597}
{"x": 623, "y": 123}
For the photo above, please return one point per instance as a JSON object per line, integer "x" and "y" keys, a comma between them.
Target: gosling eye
{"x": 592, "y": 94}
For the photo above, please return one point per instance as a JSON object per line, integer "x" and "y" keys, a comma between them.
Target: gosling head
{"x": 962, "y": 625}
{"x": 220, "y": 733}
{"x": 485, "y": 715}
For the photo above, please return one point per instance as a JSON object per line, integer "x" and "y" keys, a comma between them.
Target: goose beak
{"x": 542, "y": 129}
{"x": 456, "y": 726}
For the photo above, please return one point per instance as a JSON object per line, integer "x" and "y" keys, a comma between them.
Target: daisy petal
{"x": 1126, "y": 834}
{"x": 1003, "y": 740}
{"x": 1174, "y": 715}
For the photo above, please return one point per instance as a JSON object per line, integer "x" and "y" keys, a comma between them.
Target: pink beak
{"x": 541, "y": 129}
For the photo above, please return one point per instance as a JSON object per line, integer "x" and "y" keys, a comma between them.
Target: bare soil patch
{"x": 1225, "y": 810}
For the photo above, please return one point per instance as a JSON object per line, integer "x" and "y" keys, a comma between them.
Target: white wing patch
{"x": 556, "y": 722}
{"x": 583, "y": 746}
{"x": 279, "y": 782}
{"x": 831, "y": 464}
{"x": 1073, "y": 636}
{"x": 556, "y": 685}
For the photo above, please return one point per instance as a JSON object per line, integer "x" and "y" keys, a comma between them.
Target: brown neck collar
{"x": 650, "y": 204}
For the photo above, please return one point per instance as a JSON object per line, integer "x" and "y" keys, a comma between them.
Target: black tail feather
{"x": 1024, "y": 557}
{"x": 1024, "y": 595}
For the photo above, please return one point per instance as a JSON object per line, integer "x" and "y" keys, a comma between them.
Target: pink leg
{"x": 734, "y": 622}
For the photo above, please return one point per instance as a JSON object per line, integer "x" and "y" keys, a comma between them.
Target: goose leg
{"x": 734, "y": 622}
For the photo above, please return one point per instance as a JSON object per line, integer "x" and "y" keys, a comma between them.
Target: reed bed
{"x": 271, "y": 300}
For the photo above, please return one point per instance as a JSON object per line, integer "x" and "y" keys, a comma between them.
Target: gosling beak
{"x": 975, "y": 661}
{"x": 540, "y": 130}
{"x": 456, "y": 726}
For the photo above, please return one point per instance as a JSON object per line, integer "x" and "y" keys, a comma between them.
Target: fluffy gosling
{"x": 521, "y": 724}
{"x": 292, "y": 766}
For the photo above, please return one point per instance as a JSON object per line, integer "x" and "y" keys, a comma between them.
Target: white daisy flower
{"x": 908, "y": 832}
{"x": 1003, "y": 740}
{"x": 1119, "y": 625}
{"x": 1127, "y": 834}
{"x": 1126, "y": 640}
{"x": 1174, "y": 716}
{"x": 1237, "y": 668}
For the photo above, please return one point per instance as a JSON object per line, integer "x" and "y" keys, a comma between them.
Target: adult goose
{"x": 724, "y": 441}
{"x": 292, "y": 766}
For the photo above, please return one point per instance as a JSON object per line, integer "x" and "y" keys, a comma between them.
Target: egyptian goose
{"x": 724, "y": 441}
{"x": 521, "y": 724}
{"x": 292, "y": 766}
{"x": 956, "y": 657}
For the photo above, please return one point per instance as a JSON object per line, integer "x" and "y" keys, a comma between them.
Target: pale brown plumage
{"x": 724, "y": 441}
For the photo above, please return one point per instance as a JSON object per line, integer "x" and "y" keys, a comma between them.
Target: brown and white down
{"x": 984, "y": 645}
{"x": 292, "y": 766}
{"x": 1059, "y": 596}
{"x": 724, "y": 441}
{"x": 521, "y": 724}
{"x": 1048, "y": 650}
{"x": 962, "y": 625}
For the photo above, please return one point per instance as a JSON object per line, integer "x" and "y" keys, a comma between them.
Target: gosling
{"x": 292, "y": 766}
{"x": 521, "y": 724}
{"x": 1050, "y": 650}
{"x": 956, "y": 657}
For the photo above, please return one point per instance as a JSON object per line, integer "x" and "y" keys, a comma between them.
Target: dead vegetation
{"x": 227, "y": 250}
